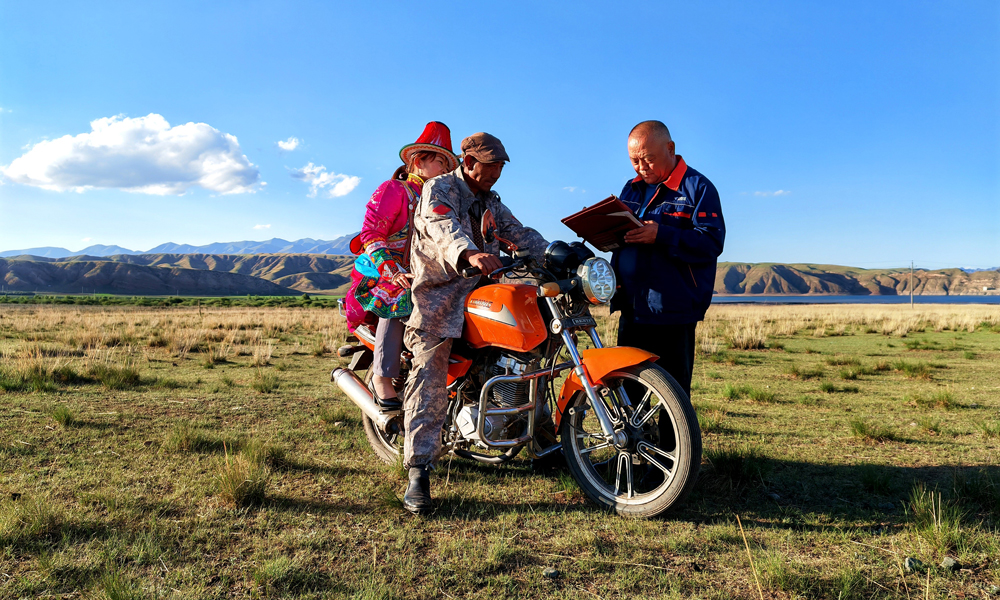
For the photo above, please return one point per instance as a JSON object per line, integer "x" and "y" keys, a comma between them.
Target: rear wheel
{"x": 387, "y": 446}
{"x": 655, "y": 463}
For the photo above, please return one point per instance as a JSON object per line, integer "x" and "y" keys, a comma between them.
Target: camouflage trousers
{"x": 425, "y": 404}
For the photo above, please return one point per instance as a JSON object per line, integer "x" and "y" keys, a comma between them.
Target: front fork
{"x": 600, "y": 409}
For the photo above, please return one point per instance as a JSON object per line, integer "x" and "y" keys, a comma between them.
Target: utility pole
{"x": 911, "y": 284}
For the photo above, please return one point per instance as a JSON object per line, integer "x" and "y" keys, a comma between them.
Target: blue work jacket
{"x": 670, "y": 281}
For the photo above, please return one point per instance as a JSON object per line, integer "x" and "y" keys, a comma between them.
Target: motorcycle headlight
{"x": 598, "y": 280}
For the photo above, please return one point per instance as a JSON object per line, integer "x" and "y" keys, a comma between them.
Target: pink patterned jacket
{"x": 383, "y": 237}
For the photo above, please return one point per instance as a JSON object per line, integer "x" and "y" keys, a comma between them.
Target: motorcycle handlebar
{"x": 470, "y": 272}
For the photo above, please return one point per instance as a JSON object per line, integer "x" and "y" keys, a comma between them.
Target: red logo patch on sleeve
{"x": 441, "y": 209}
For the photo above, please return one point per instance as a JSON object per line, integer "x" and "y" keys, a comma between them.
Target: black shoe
{"x": 417, "y": 498}
{"x": 385, "y": 403}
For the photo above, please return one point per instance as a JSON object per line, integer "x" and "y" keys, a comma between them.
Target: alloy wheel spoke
{"x": 624, "y": 468}
{"x": 652, "y": 412}
{"x": 641, "y": 407}
{"x": 647, "y": 450}
{"x": 590, "y": 449}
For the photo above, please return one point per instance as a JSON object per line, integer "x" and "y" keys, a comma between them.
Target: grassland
{"x": 200, "y": 452}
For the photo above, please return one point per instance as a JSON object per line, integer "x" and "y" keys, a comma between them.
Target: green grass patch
{"x": 738, "y": 463}
{"x": 115, "y": 377}
{"x": 872, "y": 432}
{"x": 710, "y": 421}
{"x": 241, "y": 481}
{"x": 934, "y": 518}
{"x": 264, "y": 382}
{"x": 735, "y": 392}
{"x": 796, "y": 372}
{"x": 917, "y": 370}
{"x": 989, "y": 429}
{"x": 921, "y": 345}
{"x": 929, "y": 425}
{"x": 843, "y": 361}
{"x": 62, "y": 414}
{"x": 762, "y": 395}
{"x": 29, "y": 518}
{"x": 937, "y": 400}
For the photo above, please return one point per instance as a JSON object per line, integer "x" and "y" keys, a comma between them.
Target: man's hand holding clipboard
{"x": 643, "y": 235}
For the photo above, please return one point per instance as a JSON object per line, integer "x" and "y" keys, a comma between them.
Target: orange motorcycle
{"x": 627, "y": 430}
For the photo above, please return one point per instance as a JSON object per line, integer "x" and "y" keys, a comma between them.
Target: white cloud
{"x": 268, "y": 226}
{"x": 86, "y": 239}
{"x": 290, "y": 144}
{"x": 775, "y": 193}
{"x": 144, "y": 155}
{"x": 318, "y": 178}
{"x": 572, "y": 189}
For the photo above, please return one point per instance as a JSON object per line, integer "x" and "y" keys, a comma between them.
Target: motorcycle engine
{"x": 508, "y": 393}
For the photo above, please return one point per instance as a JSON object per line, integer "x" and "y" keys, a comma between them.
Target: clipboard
{"x": 604, "y": 224}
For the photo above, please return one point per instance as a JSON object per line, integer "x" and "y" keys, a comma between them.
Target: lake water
{"x": 995, "y": 299}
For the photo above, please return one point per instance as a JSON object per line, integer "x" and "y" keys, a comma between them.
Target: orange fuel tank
{"x": 504, "y": 315}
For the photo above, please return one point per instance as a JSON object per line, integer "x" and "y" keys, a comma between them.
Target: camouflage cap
{"x": 484, "y": 148}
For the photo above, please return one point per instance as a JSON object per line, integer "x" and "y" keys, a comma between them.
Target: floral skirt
{"x": 371, "y": 298}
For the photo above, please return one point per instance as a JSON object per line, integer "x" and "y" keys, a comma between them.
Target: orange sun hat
{"x": 435, "y": 138}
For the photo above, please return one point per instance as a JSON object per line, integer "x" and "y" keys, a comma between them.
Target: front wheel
{"x": 655, "y": 463}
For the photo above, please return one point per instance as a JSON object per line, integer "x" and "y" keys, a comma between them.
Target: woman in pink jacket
{"x": 380, "y": 287}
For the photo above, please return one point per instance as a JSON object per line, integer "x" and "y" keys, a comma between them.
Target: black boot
{"x": 417, "y": 498}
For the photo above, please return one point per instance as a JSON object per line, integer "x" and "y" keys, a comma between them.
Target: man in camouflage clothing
{"x": 447, "y": 237}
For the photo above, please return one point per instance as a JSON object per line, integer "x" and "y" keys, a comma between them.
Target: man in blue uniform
{"x": 666, "y": 269}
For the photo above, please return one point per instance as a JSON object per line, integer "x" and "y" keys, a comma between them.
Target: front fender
{"x": 599, "y": 362}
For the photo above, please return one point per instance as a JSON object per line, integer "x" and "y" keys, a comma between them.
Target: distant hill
{"x": 301, "y": 272}
{"x": 110, "y": 277}
{"x": 772, "y": 278}
{"x": 273, "y": 246}
{"x": 282, "y": 274}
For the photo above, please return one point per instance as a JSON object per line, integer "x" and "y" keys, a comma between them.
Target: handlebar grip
{"x": 470, "y": 272}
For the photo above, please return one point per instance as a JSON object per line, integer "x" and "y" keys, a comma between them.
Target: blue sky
{"x": 857, "y": 133}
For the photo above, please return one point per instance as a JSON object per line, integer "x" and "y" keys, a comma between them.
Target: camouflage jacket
{"x": 442, "y": 230}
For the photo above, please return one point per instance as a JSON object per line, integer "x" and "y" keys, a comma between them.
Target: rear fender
{"x": 599, "y": 362}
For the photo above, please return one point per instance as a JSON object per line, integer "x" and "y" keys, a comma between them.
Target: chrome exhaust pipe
{"x": 355, "y": 389}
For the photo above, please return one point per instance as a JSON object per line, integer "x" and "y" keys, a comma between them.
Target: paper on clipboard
{"x": 628, "y": 215}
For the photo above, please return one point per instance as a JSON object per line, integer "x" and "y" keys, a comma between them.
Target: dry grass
{"x": 193, "y": 480}
{"x": 892, "y": 320}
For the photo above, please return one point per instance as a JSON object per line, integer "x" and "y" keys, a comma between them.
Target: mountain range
{"x": 272, "y": 246}
{"x": 285, "y": 274}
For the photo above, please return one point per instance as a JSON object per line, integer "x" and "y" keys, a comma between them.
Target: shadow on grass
{"x": 98, "y": 425}
{"x": 454, "y": 506}
{"x": 285, "y": 503}
{"x": 290, "y": 464}
{"x": 794, "y": 493}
